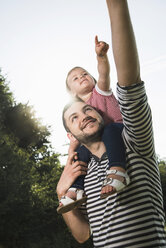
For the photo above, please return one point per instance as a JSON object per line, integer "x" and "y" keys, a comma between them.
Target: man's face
{"x": 84, "y": 123}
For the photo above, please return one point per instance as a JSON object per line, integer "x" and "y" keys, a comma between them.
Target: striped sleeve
{"x": 137, "y": 119}
{"x": 133, "y": 217}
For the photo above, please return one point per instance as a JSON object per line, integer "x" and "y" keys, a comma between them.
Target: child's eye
{"x": 75, "y": 78}
{"x": 85, "y": 73}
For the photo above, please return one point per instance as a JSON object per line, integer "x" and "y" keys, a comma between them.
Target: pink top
{"x": 106, "y": 104}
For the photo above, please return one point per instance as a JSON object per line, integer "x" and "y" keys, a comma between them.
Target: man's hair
{"x": 67, "y": 106}
{"x": 74, "y": 68}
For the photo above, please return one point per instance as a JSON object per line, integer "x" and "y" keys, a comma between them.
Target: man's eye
{"x": 74, "y": 118}
{"x": 75, "y": 78}
{"x": 88, "y": 109}
{"x": 85, "y": 73}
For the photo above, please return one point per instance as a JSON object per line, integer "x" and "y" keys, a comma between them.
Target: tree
{"x": 29, "y": 172}
{"x": 21, "y": 121}
{"x": 14, "y": 190}
{"x": 23, "y": 147}
{"x": 162, "y": 167}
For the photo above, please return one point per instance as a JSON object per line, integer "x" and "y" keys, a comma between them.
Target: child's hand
{"x": 101, "y": 47}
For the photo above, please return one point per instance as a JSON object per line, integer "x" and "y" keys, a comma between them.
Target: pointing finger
{"x": 96, "y": 40}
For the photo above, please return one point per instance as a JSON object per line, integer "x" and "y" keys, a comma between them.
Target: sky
{"x": 41, "y": 40}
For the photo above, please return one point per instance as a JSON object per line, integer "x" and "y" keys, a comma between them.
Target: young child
{"x": 99, "y": 95}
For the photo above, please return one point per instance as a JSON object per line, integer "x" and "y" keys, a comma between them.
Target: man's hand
{"x": 72, "y": 170}
{"x": 101, "y": 47}
{"x": 73, "y": 146}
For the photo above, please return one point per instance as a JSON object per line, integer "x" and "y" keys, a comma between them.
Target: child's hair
{"x": 74, "y": 68}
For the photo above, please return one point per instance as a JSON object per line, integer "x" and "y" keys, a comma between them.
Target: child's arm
{"x": 103, "y": 66}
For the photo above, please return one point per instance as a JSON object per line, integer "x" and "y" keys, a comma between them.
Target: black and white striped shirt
{"x": 133, "y": 217}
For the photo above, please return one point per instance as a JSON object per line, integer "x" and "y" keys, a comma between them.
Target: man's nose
{"x": 84, "y": 117}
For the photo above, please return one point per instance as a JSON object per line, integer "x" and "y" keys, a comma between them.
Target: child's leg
{"x": 112, "y": 138}
{"x": 83, "y": 155}
{"x": 75, "y": 195}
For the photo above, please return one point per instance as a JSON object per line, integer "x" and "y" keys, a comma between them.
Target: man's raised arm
{"x": 123, "y": 43}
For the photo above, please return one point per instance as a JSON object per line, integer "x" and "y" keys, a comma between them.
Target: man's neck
{"x": 96, "y": 148}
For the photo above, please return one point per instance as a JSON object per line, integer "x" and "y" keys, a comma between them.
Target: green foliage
{"x": 20, "y": 120}
{"x": 14, "y": 191}
{"x": 29, "y": 172}
{"x": 6, "y": 99}
{"x": 162, "y": 167}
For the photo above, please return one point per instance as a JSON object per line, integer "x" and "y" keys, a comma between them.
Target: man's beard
{"x": 87, "y": 139}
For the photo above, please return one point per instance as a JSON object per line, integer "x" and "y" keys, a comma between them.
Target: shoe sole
{"x": 71, "y": 206}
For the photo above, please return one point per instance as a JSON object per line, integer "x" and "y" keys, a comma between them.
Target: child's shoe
{"x": 115, "y": 183}
{"x": 66, "y": 204}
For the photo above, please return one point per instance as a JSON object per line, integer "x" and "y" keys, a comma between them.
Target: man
{"x": 133, "y": 217}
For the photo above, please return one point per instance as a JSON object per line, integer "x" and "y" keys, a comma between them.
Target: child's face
{"x": 80, "y": 82}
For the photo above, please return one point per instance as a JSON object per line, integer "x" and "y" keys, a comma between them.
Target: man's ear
{"x": 74, "y": 94}
{"x": 71, "y": 137}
